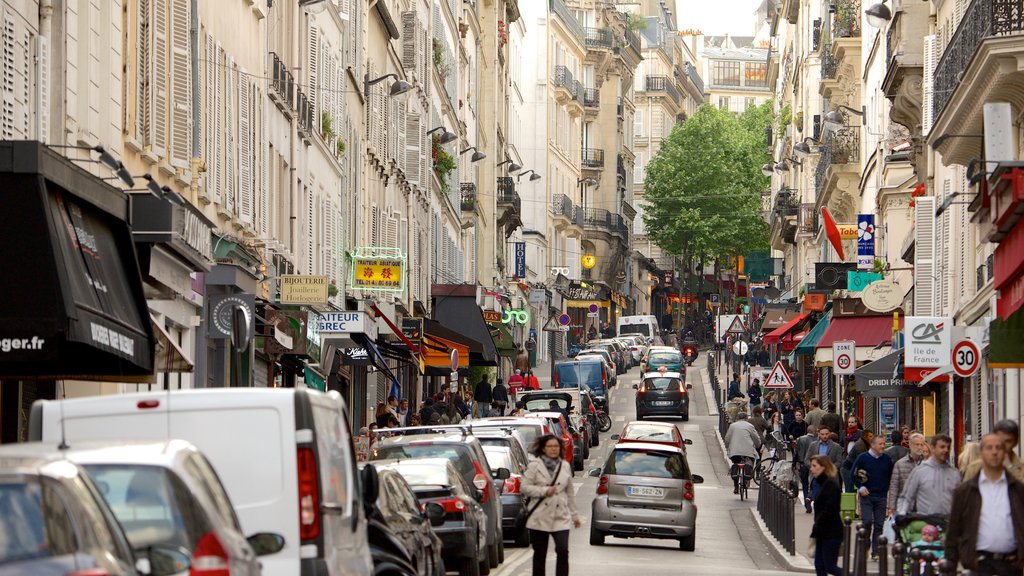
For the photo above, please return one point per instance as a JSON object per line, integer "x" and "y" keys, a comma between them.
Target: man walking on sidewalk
{"x": 801, "y": 457}
{"x": 814, "y": 413}
{"x": 930, "y": 487}
{"x": 902, "y": 469}
{"x": 871, "y": 473}
{"x": 482, "y": 397}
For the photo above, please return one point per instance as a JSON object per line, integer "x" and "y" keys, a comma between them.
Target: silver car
{"x": 645, "y": 490}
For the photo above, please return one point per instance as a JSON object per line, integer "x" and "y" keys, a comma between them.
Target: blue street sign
{"x": 520, "y": 260}
{"x": 865, "y": 241}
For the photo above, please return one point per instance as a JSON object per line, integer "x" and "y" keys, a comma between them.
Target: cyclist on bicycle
{"x": 743, "y": 444}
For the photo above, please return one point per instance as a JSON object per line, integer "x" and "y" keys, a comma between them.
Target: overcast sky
{"x": 717, "y": 17}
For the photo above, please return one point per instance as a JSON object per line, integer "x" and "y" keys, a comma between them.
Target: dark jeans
{"x": 539, "y": 540}
{"x": 990, "y": 567}
{"x": 847, "y": 475}
{"x": 872, "y": 512}
{"x": 826, "y": 557}
{"x": 805, "y": 481}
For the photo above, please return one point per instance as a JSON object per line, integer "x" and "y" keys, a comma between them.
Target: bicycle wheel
{"x": 756, "y": 476}
{"x": 743, "y": 483}
{"x": 604, "y": 422}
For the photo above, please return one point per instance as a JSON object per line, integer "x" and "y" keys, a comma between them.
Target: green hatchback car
{"x": 672, "y": 360}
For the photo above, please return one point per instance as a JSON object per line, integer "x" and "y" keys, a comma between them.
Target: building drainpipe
{"x": 198, "y": 166}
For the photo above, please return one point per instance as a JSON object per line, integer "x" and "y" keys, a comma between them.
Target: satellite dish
{"x": 772, "y": 292}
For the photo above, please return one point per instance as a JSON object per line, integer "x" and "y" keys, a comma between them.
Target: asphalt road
{"x": 728, "y": 541}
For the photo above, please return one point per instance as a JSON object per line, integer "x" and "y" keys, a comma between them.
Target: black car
{"x": 409, "y": 532}
{"x": 508, "y": 453}
{"x": 463, "y": 529}
{"x": 662, "y": 393}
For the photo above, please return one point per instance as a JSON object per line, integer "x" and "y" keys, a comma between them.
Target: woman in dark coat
{"x": 828, "y": 526}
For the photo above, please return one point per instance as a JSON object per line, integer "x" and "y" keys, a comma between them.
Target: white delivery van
{"x": 285, "y": 457}
{"x": 642, "y": 325}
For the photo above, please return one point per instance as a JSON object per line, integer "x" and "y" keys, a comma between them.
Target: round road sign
{"x": 844, "y": 361}
{"x": 564, "y": 319}
{"x": 966, "y": 358}
{"x": 454, "y": 357}
{"x": 592, "y": 308}
{"x": 740, "y": 348}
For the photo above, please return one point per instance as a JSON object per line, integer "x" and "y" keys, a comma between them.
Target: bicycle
{"x": 739, "y": 472}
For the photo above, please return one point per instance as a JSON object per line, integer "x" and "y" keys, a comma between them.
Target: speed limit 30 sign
{"x": 966, "y": 358}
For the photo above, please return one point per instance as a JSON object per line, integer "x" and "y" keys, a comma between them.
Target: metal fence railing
{"x": 775, "y": 505}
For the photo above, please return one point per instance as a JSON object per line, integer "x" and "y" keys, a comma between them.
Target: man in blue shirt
{"x": 871, "y": 474}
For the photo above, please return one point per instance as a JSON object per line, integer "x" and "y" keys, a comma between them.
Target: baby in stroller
{"x": 923, "y": 533}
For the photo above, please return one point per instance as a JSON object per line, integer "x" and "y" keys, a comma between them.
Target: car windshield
{"x": 572, "y": 375}
{"x": 647, "y": 463}
{"x": 422, "y": 475}
{"x": 498, "y": 457}
{"x": 22, "y": 523}
{"x": 463, "y": 463}
{"x": 654, "y": 433}
{"x": 529, "y": 433}
{"x": 661, "y": 383}
{"x": 635, "y": 329}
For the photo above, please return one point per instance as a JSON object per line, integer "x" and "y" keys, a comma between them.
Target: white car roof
{"x": 166, "y": 453}
{"x": 663, "y": 375}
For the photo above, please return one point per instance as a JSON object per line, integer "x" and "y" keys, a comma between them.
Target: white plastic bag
{"x": 889, "y": 530}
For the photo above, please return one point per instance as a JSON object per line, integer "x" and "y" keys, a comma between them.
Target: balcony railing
{"x": 568, "y": 20}
{"x": 577, "y": 91}
{"x": 305, "y": 112}
{"x": 846, "y": 23}
{"x": 662, "y": 84}
{"x": 468, "y": 190}
{"x": 592, "y": 158}
{"x": 507, "y": 194}
{"x": 617, "y": 225}
{"x": 840, "y": 147}
{"x": 632, "y": 39}
{"x": 282, "y": 81}
{"x": 983, "y": 18}
{"x": 597, "y": 37}
{"x": 620, "y": 168}
{"x": 564, "y": 79}
{"x": 597, "y": 217}
{"x": 694, "y": 76}
{"x": 591, "y": 97}
{"x": 561, "y": 205}
{"x": 828, "y": 62}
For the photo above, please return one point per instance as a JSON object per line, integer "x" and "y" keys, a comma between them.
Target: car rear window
{"x": 635, "y": 329}
{"x": 655, "y": 433}
{"x": 23, "y": 524}
{"x": 647, "y": 463}
{"x": 572, "y": 375}
{"x": 458, "y": 455}
{"x": 666, "y": 357}
{"x": 544, "y": 404}
{"x": 498, "y": 457}
{"x": 662, "y": 383}
{"x": 422, "y": 475}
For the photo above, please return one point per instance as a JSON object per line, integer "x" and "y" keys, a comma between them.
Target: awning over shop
{"x": 375, "y": 356}
{"x": 74, "y": 306}
{"x": 806, "y": 346}
{"x": 169, "y": 356}
{"x": 871, "y": 333}
{"x": 503, "y": 342}
{"x": 476, "y": 349}
{"x": 1005, "y": 337}
{"x": 883, "y": 378}
{"x": 775, "y": 318}
{"x": 776, "y": 336}
{"x": 461, "y": 314}
{"x": 436, "y": 355}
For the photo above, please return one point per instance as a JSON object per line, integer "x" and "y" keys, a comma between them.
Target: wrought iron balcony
{"x": 632, "y": 39}
{"x": 563, "y": 79}
{"x": 617, "y": 226}
{"x": 662, "y": 84}
{"x": 828, "y": 62}
{"x": 691, "y": 72}
{"x": 983, "y": 19}
{"x": 567, "y": 18}
{"x": 597, "y": 218}
{"x": 592, "y": 158}
{"x": 846, "y": 23}
{"x": 507, "y": 195}
{"x": 577, "y": 91}
{"x": 597, "y": 37}
{"x": 561, "y": 207}
{"x": 619, "y": 109}
{"x": 468, "y": 190}
{"x": 840, "y": 147}
{"x": 282, "y": 82}
{"x": 305, "y": 111}
{"x": 591, "y": 97}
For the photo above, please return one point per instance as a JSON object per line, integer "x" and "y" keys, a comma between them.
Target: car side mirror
{"x": 594, "y": 472}
{"x": 371, "y": 485}
{"x": 688, "y": 442}
{"x": 163, "y": 560}
{"x": 501, "y": 474}
{"x": 264, "y": 543}
{"x": 614, "y": 437}
{"x": 478, "y": 496}
{"x": 636, "y": 386}
{"x": 689, "y": 386}
{"x": 697, "y": 479}
{"x": 435, "y": 513}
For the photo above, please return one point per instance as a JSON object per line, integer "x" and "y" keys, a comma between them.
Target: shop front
{"x": 882, "y": 381}
{"x": 75, "y": 306}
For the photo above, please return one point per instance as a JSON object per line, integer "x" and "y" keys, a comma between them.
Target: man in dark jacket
{"x": 760, "y": 424}
{"x": 500, "y": 396}
{"x": 482, "y": 397}
{"x": 801, "y": 456}
{"x": 986, "y": 526}
{"x": 871, "y": 474}
{"x": 832, "y": 421}
{"x": 734, "y": 388}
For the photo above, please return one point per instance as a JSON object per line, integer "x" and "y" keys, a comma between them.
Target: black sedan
{"x": 662, "y": 393}
{"x": 410, "y": 522}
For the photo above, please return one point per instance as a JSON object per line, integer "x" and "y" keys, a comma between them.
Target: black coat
{"x": 500, "y": 393}
{"x": 827, "y": 522}
{"x": 482, "y": 393}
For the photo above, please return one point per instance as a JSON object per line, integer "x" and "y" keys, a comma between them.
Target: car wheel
{"x": 596, "y": 536}
{"x": 688, "y": 543}
{"x": 595, "y": 437}
{"x": 469, "y": 567}
{"x": 686, "y": 416}
{"x": 492, "y": 555}
{"x": 501, "y": 548}
{"x": 586, "y": 448}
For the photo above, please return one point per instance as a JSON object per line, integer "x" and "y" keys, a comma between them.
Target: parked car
{"x": 285, "y": 456}
{"x": 457, "y": 444}
{"x": 613, "y": 356}
{"x": 510, "y": 456}
{"x": 402, "y": 537}
{"x": 589, "y": 372}
{"x": 663, "y": 393}
{"x": 574, "y": 402}
{"x": 167, "y": 494}
{"x": 528, "y": 429}
{"x": 670, "y": 358}
{"x": 645, "y": 490}
{"x": 616, "y": 349}
{"x": 570, "y": 439}
{"x": 55, "y": 522}
{"x": 653, "y": 433}
{"x": 463, "y": 528}
{"x": 633, "y": 348}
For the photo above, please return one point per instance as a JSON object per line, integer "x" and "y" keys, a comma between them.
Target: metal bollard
{"x": 899, "y": 558}
{"x": 847, "y": 522}
{"x": 883, "y": 556}
{"x": 862, "y": 549}
{"x": 945, "y": 567}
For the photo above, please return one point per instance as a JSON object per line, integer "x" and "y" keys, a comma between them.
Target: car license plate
{"x": 664, "y": 403}
{"x": 646, "y": 492}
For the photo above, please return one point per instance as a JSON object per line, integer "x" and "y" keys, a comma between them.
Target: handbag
{"x": 523, "y": 518}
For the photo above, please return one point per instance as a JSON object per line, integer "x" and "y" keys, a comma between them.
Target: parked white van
{"x": 644, "y": 325}
{"x": 285, "y": 457}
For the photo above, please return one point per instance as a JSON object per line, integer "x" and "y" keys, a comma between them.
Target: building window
{"x": 750, "y": 103}
{"x": 726, "y": 73}
{"x": 723, "y": 102}
{"x": 756, "y": 74}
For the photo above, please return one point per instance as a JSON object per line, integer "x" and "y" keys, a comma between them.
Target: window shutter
{"x": 375, "y": 226}
{"x": 313, "y": 73}
{"x": 263, "y": 187}
{"x": 400, "y": 137}
{"x": 928, "y": 85}
{"x": 209, "y": 126}
{"x": 392, "y": 230}
{"x": 230, "y": 136}
{"x": 412, "y": 148}
{"x": 311, "y": 228}
{"x": 943, "y": 257}
{"x": 409, "y": 41}
{"x": 158, "y": 56}
{"x": 246, "y": 193}
{"x": 42, "y": 82}
{"x": 403, "y": 233}
{"x": 924, "y": 256}
{"x": 958, "y": 13}
{"x": 638, "y": 123}
{"x": 181, "y": 85}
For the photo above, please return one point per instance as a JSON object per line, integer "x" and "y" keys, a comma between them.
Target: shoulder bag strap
{"x": 554, "y": 479}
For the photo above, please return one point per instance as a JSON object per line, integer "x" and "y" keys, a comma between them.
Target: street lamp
{"x": 512, "y": 166}
{"x": 768, "y": 169}
{"x": 445, "y": 136}
{"x": 948, "y": 201}
{"x": 878, "y": 14}
{"x": 836, "y": 119}
{"x": 399, "y": 87}
{"x": 802, "y": 149}
{"x": 477, "y": 155}
{"x": 533, "y": 176}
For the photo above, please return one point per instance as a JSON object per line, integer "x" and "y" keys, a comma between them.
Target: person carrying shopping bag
{"x": 552, "y": 508}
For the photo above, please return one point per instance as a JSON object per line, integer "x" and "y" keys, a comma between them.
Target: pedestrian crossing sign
{"x": 778, "y": 377}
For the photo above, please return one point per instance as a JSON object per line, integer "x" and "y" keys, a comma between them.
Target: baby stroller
{"x": 920, "y": 532}
{"x": 734, "y": 407}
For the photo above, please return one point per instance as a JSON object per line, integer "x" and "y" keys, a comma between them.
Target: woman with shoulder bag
{"x": 827, "y": 532}
{"x": 552, "y": 507}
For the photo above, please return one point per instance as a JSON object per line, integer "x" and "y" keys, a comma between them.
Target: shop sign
{"x": 313, "y": 321}
{"x": 882, "y": 296}
{"x": 300, "y": 289}
{"x": 194, "y": 231}
{"x": 847, "y": 231}
{"x": 354, "y": 322}
{"x": 538, "y": 296}
{"x": 412, "y": 328}
{"x": 378, "y": 269}
{"x": 222, "y": 307}
{"x": 520, "y": 317}
{"x": 929, "y": 341}
{"x": 492, "y": 316}
{"x": 858, "y": 281}
{"x": 289, "y": 332}
{"x": 520, "y": 264}
{"x": 581, "y": 292}
{"x": 865, "y": 241}
{"x": 355, "y": 357}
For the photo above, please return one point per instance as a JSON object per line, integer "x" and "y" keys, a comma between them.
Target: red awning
{"x": 791, "y": 340}
{"x": 864, "y": 330}
{"x": 775, "y": 336}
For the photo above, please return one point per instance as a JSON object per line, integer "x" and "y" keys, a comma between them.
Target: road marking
{"x": 576, "y": 487}
{"x": 691, "y": 427}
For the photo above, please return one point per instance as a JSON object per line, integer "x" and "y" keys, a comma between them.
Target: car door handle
{"x": 332, "y": 508}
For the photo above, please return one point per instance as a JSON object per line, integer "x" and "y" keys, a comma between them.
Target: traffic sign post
{"x": 843, "y": 357}
{"x": 740, "y": 348}
{"x": 966, "y": 358}
{"x": 778, "y": 377}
